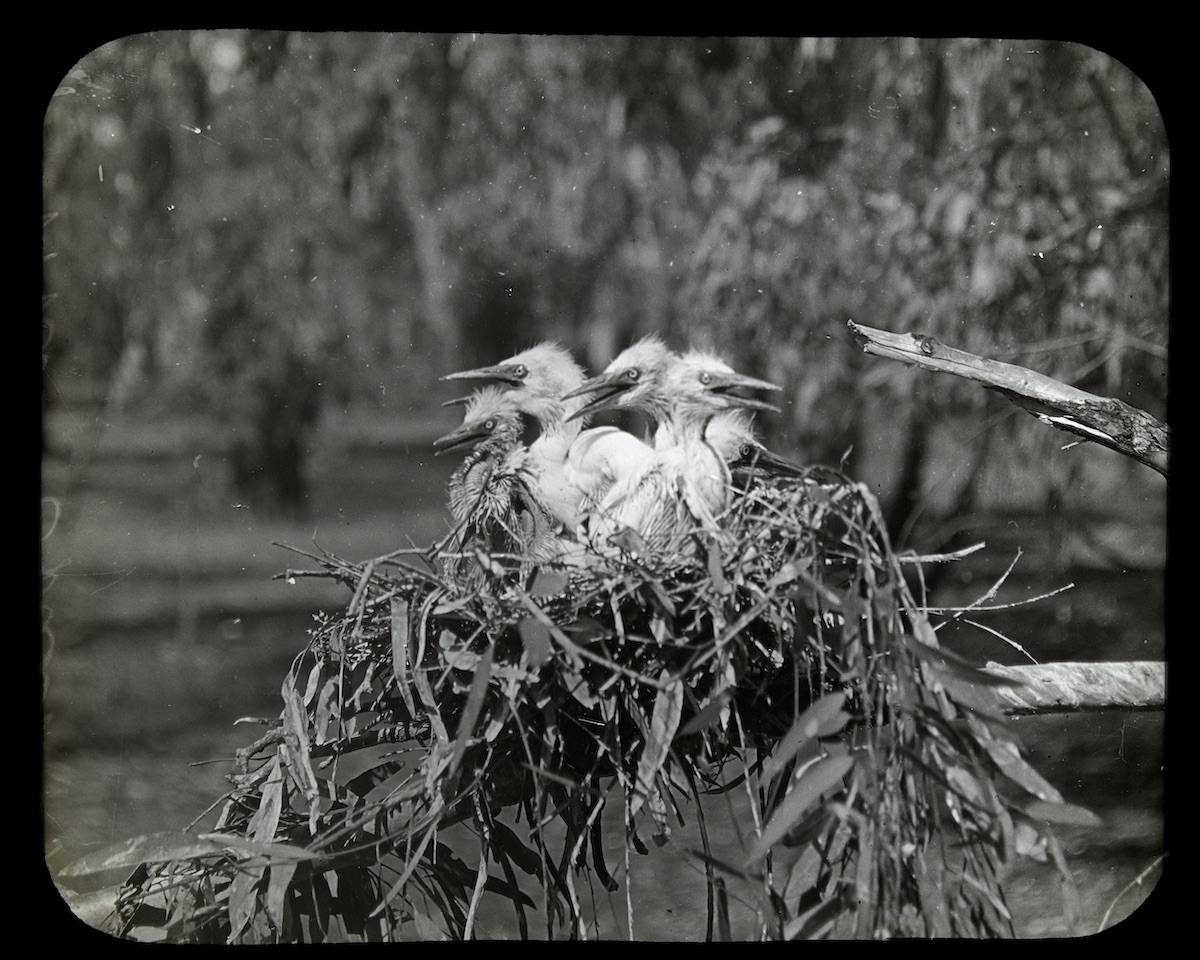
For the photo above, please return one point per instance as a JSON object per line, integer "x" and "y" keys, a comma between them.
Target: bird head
{"x": 537, "y": 377}
{"x": 490, "y": 413}
{"x": 547, "y": 369}
{"x": 632, "y": 381}
{"x": 702, "y": 379}
{"x": 731, "y": 433}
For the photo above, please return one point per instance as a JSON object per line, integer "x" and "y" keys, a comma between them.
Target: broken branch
{"x": 1107, "y": 421}
{"x": 1071, "y": 687}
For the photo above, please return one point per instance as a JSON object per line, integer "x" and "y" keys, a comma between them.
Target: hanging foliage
{"x": 786, "y": 658}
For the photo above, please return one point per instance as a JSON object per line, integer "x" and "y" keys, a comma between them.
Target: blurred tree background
{"x": 257, "y": 228}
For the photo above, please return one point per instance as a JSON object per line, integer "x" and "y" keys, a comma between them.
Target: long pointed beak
{"x": 503, "y": 372}
{"x": 466, "y": 435}
{"x": 723, "y": 384}
{"x": 607, "y": 386}
{"x": 456, "y": 402}
{"x": 763, "y": 461}
{"x": 750, "y": 403}
{"x": 760, "y": 463}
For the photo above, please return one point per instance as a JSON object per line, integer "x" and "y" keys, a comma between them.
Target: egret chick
{"x": 632, "y": 381}
{"x": 575, "y": 466}
{"x": 731, "y": 433}
{"x": 686, "y": 486}
{"x": 492, "y": 495}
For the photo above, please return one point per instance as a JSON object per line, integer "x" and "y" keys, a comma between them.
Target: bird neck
{"x": 504, "y": 440}
{"x": 558, "y": 433}
{"x": 659, "y": 409}
{"x": 474, "y": 457}
{"x": 548, "y": 411}
{"x": 689, "y": 429}
{"x": 685, "y": 424}
{"x": 570, "y": 408}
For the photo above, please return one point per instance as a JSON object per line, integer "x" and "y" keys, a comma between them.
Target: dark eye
{"x": 745, "y": 450}
{"x": 521, "y": 371}
{"x": 633, "y": 373}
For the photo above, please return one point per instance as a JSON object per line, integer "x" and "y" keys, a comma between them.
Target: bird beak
{"x": 723, "y": 384}
{"x": 457, "y": 401}
{"x": 762, "y": 464}
{"x": 607, "y": 387}
{"x": 765, "y": 463}
{"x": 503, "y": 372}
{"x": 466, "y": 435}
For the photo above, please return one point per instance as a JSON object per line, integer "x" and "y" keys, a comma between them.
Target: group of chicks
{"x": 576, "y": 493}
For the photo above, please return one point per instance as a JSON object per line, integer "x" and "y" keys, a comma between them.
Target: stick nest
{"x": 783, "y": 660}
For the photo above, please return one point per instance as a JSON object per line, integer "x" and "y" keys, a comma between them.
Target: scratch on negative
{"x": 114, "y": 583}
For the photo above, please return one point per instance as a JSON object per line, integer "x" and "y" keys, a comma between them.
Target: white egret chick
{"x": 731, "y": 433}
{"x": 632, "y": 381}
{"x": 575, "y": 466}
{"x": 686, "y": 487}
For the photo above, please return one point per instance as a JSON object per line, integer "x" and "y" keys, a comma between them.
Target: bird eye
{"x": 521, "y": 371}
{"x": 744, "y": 451}
{"x": 706, "y": 378}
{"x": 633, "y": 373}
{"x": 489, "y": 425}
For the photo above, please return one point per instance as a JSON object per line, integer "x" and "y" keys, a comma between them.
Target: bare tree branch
{"x": 1106, "y": 421}
{"x": 1071, "y": 687}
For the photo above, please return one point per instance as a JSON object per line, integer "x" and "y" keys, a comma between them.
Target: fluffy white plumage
{"x": 575, "y": 466}
{"x": 685, "y": 487}
{"x": 731, "y": 433}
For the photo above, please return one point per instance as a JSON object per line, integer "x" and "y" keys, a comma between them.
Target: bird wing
{"x": 644, "y": 502}
{"x": 700, "y": 505}
{"x": 665, "y": 502}
{"x": 559, "y": 490}
{"x": 608, "y": 452}
{"x": 603, "y": 458}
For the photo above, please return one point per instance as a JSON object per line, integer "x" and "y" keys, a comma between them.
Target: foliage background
{"x": 266, "y": 226}
{"x": 263, "y": 248}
